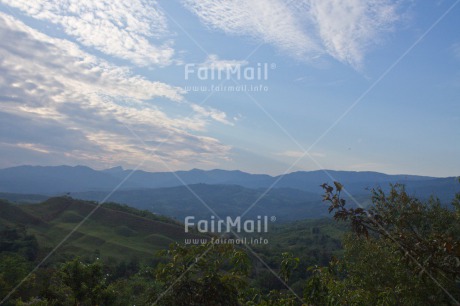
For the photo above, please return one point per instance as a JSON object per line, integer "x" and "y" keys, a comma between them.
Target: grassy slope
{"x": 114, "y": 233}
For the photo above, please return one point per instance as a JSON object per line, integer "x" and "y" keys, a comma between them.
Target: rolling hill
{"x": 112, "y": 230}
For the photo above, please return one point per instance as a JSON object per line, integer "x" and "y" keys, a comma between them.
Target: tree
{"x": 16, "y": 240}
{"x": 399, "y": 251}
{"x": 87, "y": 282}
{"x": 13, "y": 268}
{"x": 208, "y": 274}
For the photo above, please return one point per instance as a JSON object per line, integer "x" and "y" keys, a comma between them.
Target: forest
{"x": 397, "y": 251}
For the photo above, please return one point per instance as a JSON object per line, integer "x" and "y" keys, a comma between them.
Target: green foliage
{"x": 273, "y": 298}
{"x": 13, "y": 268}
{"x": 288, "y": 264}
{"x": 400, "y": 252}
{"x": 371, "y": 273}
{"x": 135, "y": 290}
{"x": 313, "y": 241}
{"x": 16, "y": 240}
{"x": 87, "y": 282}
{"x": 17, "y": 250}
{"x": 208, "y": 274}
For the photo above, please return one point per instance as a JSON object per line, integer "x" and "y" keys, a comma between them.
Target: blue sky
{"x": 350, "y": 85}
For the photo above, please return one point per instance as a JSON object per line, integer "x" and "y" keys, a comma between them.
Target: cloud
{"x": 213, "y": 62}
{"x": 348, "y": 28}
{"x": 303, "y": 29}
{"x": 268, "y": 21}
{"x": 33, "y": 147}
{"x": 137, "y": 30}
{"x": 123, "y": 29}
{"x": 211, "y": 113}
{"x": 62, "y": 100}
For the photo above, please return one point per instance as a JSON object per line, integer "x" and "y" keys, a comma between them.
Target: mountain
{"x": 354, "y": 181}
{"x": 113, "y": 230}
{"x": 145, "y": 179}
{"x": 53, "y": 180}
{"x": 294, "y": 196}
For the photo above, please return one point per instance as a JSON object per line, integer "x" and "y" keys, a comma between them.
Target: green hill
{"x": 112, "y": 231}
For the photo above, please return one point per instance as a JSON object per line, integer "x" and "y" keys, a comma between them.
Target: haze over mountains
{"x": 58, "y": 179}
{"x": 295, "y": 195}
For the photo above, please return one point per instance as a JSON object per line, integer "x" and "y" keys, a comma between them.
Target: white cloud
{"x": 213, "y": 62}
{"x": 212, "y": 113}
{"x": 303, "y": 29}
{"x": 137, "y": 30}
{"x": 349, "y": 28}
{"x": 269, "y": 21}
{"x": 33, "y": 146}
{"x": 123, "y": 29}
{"x": 61, "y": 100}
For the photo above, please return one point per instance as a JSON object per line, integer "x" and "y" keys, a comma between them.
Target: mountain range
{"x": 296, "y": 195}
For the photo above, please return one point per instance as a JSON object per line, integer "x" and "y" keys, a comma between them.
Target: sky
{"x": 263, "y": 86}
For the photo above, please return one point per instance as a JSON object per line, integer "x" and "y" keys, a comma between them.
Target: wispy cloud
{"x": 348, "y": 28}
{"x": 303, "y": 29}
{"x": 62, "y": 100}
{"x": 34, "y": 147}
{"x": 268, "y": 21}
{"x": 213, "y": 62}
{"x": 137, "y": 30}
{"x": 212, "y": 113}
{"x": 123, "y": 29}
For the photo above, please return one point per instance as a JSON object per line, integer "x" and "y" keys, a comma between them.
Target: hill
{"x": 112, "y": 231}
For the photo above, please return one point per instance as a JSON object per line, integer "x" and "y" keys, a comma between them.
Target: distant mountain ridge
{"x": 62, "y": 179}
{"x": 293, "y": 196}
